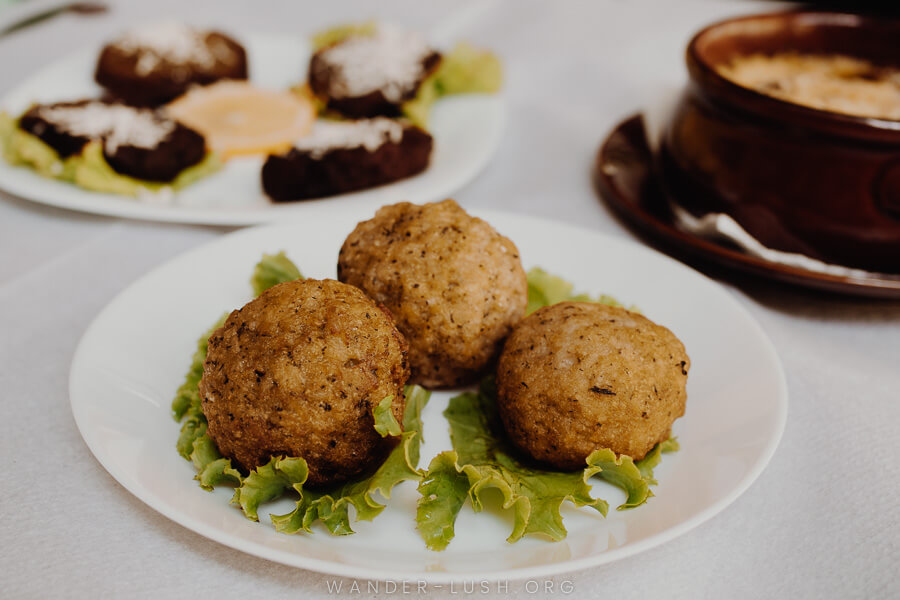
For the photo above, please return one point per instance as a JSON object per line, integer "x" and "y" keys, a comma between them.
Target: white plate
{"x": 466, "y": 132}
{"x": 135, "y": 354}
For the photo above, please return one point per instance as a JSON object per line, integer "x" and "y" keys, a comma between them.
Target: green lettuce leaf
{"x": 269, "y": 482}
{"x": 212, "y": 468}
{"x": 193, "y": 443}
{"x": 331, "y": 507}
{"x": 187, "y": 397}
{"x": 545, "y": 289}
{"x": 653, "y": 458}
{"x": 92, "y": 172}
{"x": 385, "y": 423}
{"x": 444, "y": 490}
{"x": 483, "y": 458}
{"x": 621, "y": 472}
{"x": 272, "y": 270}
{"x": 463, "y": 70}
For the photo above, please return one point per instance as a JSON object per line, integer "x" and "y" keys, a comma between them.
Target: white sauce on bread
{"x": 117, "y": 124}
{"x": 170, "y": 42}
{"x": 390, "y": 61}
{"x": 370, "y": 134}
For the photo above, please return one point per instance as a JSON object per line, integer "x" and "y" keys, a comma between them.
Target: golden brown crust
{"x": 575, "y": 377}
{"x": 455, "y": 286}
{"x": 297, "y": 372}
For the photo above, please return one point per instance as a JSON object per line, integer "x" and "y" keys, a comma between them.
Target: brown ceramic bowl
{"x": 798, "y": 179}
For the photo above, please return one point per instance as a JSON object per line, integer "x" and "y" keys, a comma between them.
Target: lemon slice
{"x": 237, "y": 118}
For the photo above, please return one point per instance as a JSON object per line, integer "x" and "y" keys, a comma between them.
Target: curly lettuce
{"x": 545, "y": 289}
{"x": 483, "y": 458}
{"x": 272, "y": 270}
{"x": 281, "y": 475}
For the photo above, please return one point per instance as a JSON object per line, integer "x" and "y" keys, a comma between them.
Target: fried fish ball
{"x": 298, "y": 372}
{"x": 575, "y": 377}
{"x": 455, "y": 286}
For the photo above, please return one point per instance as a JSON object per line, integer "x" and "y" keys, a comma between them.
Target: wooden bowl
{"x": 797, "y": 178}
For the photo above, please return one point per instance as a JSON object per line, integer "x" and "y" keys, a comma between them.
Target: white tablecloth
{"x": 823, "y": 520}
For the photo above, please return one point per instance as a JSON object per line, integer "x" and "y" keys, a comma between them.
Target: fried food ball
{"x": 576, "y": 377}
{"x": 298, "y": 372}
{"x": 455, "y": 286}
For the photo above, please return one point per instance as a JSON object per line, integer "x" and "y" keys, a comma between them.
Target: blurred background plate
{"x": 466, "y": 129}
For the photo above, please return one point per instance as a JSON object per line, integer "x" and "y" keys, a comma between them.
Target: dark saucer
{"x": 625, "y": 180}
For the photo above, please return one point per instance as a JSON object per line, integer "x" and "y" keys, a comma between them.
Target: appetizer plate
{"x": 135, "y": 354}
{"x": 466, "y": 130}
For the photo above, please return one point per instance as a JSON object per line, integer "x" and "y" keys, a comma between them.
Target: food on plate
{"x": 306, "y": 362}
{"x": 576, "y": 377}
{"x": 152, "y": 65}
{"x": 454, "y": 285}
{"x": 545, "y": 289}
{"x": 369, "y": 70}
{"x": 299, "y": 372}
{"x": 238, "y": 118}
{"x": 106, "y": 147}
{"x": 831, "y": 82}
{"x": 483, "y": 458}
{"x": 282, "y": 474}
{"x": 344, "y": 156}
{"x": 272, "y": 270}
{"x": 464, "y": 70}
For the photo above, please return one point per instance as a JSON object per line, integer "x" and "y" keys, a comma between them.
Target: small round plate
{"x": 133, "y": 357}
{"x": 466, "y": 129}
{"x": 625, "y": 179}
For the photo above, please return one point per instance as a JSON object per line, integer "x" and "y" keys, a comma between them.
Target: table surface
{"x": 823, "y": 520}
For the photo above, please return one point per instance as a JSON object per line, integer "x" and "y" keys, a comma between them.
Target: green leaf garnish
{"x": 331, "y": 506}
{"x": 385, "y": 423}
{"x": 193, "y": 443}
{"x": 545, "y": 289}
{"x": 212, "y": 468}
{"x": 187, "y": 397}
{"x": 444, "y": 490}
{"x": 269, "y": 482}
{"x": 621, "y": 472}
{"x": 463, "y": 70}
{"x": 272, "y": 270}
{"x": 191, "y": 429}
{"x": 649, "y": 462}
{"x": 483, "y": 458}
